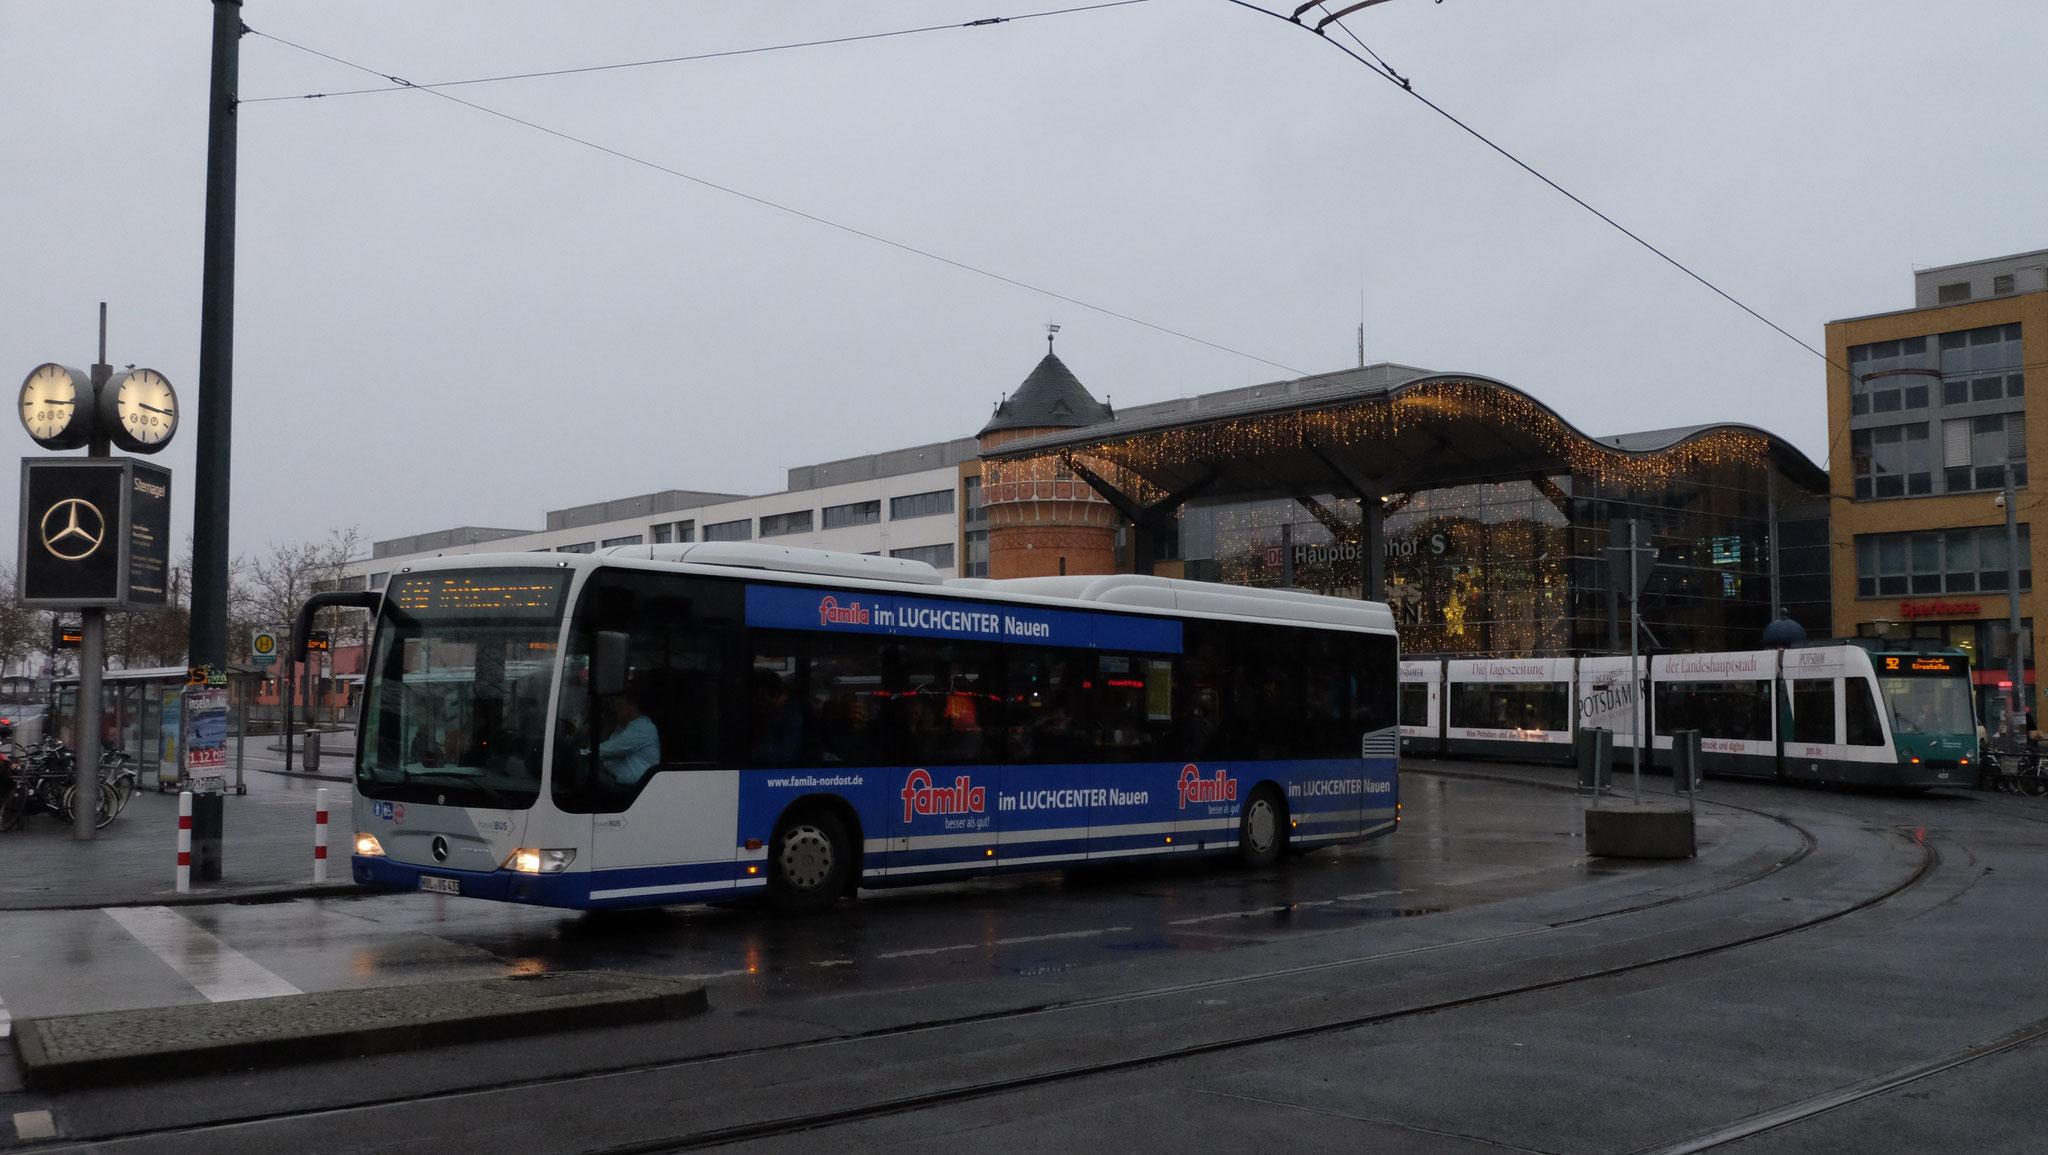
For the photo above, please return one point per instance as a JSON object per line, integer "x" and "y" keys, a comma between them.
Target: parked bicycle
{"x": 42, "y": 779}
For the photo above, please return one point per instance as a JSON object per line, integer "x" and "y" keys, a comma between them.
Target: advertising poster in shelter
{"x": 173, "y": 733}
{"x": 206, "y": 738}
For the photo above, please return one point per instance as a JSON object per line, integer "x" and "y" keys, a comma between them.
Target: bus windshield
{"x": 1929, "y": 704}
{"x": 455, "y": 702}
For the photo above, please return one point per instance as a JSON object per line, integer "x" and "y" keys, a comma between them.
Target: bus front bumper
{"x": 566, "y": 889}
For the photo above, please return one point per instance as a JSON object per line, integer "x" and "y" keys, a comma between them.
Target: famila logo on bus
{"x": 962, "y": 797}
{"x": 1220, "y": 787}
{"x": 831, "y": 613}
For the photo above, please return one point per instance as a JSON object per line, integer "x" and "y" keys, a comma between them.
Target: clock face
{"x": 54, "y": 407}
{"x": 140, "y": 410}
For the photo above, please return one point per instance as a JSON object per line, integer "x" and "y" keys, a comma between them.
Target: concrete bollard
{"x": 320, "y": 835}
{"x": 184, "y": 840}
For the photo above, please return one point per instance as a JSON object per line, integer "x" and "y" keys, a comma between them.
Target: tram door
{"x": 1812, "y": 688}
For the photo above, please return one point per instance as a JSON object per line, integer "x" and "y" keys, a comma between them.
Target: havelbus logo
{"x": 962, "y": 797}
{"x": 1220, "y": 787}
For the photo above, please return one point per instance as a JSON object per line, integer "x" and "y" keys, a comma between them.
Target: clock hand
{"x": 152, "y": 408}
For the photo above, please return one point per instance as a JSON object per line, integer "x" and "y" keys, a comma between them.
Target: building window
{"x": 1892, "y": 460}
{"x": 783, "y": 524}
{"x": 580, "y": 547}
{"x": 1893, "y": 565}
{"x": 741, "y": 530}
{"x": 377, "y": 580}
{"x": 921, "y": 505}
{"x": 663, "y": 533}
{"x": 977, "y": 555}
{"x": 1975, "y": 451}
{"x": 1884, "y": 381}
{"x": 687, "y": 531}
{"x": 1982, "y": 364}
{"x": 971, "y": 511}
{"x": 630, "y": 539}
{"x": 1950, "y": 294}
{"x": 859, "y": 513}
{"x": 939, "y": 556}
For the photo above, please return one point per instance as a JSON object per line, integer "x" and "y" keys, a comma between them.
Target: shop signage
{"x": 1937, "y": 608}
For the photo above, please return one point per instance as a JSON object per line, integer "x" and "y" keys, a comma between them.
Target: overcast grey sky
{"x": 444, "y": 318}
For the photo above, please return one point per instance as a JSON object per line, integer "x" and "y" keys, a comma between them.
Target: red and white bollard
{"x": 185, "y": 840}
{"x": 320, "y": 835}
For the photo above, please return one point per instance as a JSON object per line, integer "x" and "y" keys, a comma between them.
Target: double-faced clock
{"x": 138, "y": 410}
{"x": 56, "y": 406}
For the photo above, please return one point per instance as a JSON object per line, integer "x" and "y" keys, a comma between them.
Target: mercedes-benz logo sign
{"x": 440, "y": 848}
{"x": 73, "y": 529}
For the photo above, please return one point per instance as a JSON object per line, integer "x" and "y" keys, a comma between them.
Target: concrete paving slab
{"x": 197, "y": 1038}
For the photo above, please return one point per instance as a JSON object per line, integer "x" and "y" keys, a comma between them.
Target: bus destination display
{"x": 485, "y": 593}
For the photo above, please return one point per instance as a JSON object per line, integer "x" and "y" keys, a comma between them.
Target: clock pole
{"x": 92, "y": 652}
{"x": 208, "y": 642}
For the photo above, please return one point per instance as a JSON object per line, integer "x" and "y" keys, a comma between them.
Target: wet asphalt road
{"x": 1495, "y": 841}
{"x": 1472, "y": 984}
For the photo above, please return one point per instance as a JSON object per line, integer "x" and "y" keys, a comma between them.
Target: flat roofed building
{"x": 1929, "y": 408}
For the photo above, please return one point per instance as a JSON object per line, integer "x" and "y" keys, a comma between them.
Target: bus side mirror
{"x": 608, "y": 666}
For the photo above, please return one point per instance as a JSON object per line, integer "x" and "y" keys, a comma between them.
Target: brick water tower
{"x": 1043, "y": 520}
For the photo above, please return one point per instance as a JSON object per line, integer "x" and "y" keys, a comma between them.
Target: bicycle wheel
{"x": 109, "y": 804}
{"x": 2033, "y": 779}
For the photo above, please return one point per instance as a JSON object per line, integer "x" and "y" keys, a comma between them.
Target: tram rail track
{"x": 808, "y": 1121}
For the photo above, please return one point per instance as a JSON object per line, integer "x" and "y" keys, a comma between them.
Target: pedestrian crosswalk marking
{"x": 215, "y": 969}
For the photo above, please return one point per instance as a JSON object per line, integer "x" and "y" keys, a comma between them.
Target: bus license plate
{"x": 440, "y": 885}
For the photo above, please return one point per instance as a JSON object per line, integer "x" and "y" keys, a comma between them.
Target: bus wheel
{"x": 1261, "y": 829}
{"x": 807, "y": 864}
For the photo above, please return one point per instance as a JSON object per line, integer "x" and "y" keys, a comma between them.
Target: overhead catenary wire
{"x": 1406, "y": 85}
{"x": 398, "y": 85}
{"x": 796, "y": 212}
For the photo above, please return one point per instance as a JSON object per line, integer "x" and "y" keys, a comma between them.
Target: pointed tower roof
{"x": 1050, "y": 398}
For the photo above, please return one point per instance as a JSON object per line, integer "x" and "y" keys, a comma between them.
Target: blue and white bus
{"x": 663, "y": 724}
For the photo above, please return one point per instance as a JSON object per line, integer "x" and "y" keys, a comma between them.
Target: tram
{"x": 1824, "y": 711}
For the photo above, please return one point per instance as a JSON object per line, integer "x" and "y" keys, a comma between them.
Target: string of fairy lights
{"x": 1503, "y": 581}
{"x": 1134, "y": 458}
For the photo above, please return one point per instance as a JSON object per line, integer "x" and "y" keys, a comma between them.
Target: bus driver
{"x": 633, "y": 747}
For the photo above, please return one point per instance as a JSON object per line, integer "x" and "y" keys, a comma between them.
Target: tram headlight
{"x": 367, "y": 845}
{"x": 529, "y": 860}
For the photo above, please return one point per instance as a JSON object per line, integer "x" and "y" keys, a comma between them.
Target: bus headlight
{"x": 527, "y": 860}
{"x": 367, "y": 845}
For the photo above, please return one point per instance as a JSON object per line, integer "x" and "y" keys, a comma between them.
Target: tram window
{"x": 1813, "y": 710}
{"x": 1860, "y": 713}
{"x": 1739, "y": 710}
{"x": 1511, "y": 705}
{"x": 1415, "y": 704}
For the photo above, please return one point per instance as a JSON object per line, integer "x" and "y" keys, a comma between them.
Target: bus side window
{"x": 846, "y": 700}
{"x": 778, "y": 732}
{"x": 1865, "y": 728}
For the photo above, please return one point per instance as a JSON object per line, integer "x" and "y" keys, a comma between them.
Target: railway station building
{"x": 1479, "y": 513}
